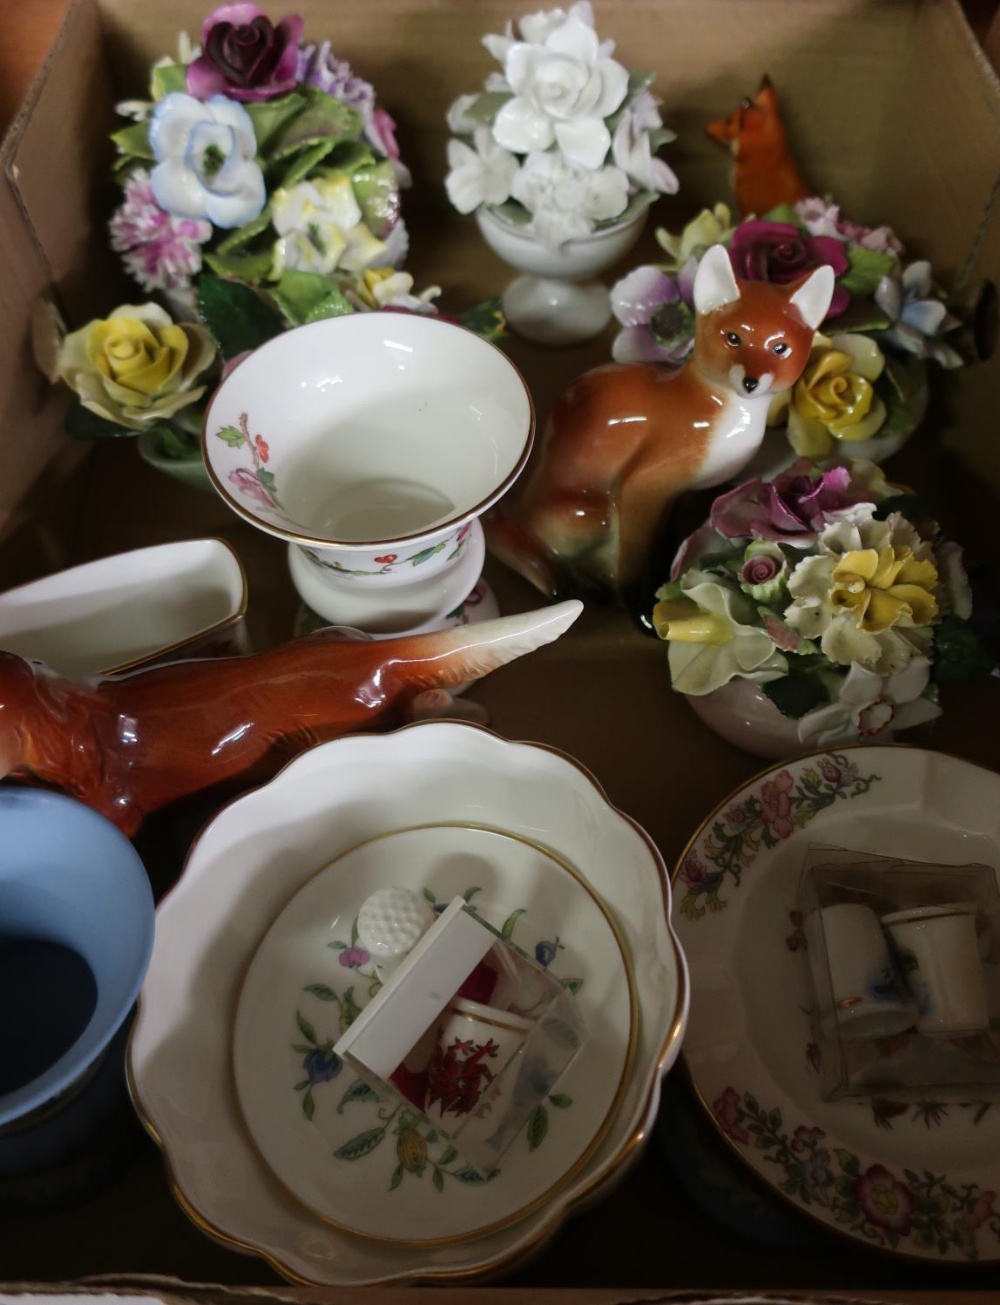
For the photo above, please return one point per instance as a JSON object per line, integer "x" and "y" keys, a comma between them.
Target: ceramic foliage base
{"x": 190, "y": 471}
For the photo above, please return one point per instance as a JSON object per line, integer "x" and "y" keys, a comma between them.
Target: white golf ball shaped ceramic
{"x": 391, "y": 922}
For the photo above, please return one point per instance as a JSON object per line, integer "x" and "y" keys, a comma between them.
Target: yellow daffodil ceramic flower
{"x": 133, "y": 368}
{"x": 835, "y": 397}
{"x": 712, "y": 226}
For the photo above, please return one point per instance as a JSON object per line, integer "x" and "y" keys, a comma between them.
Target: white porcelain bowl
{"x": 132, "y": 609}
{"x": 247, "y": 865}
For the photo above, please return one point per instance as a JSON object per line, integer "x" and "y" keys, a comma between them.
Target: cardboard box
{"x": 892, "y": 107}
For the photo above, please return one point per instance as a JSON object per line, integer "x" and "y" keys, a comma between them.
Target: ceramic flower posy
{"x": 563, "y": 139}
{"x": 833, "y": 591}
{"x": 887, "y": 319}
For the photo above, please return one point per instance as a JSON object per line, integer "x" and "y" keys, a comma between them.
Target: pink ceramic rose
{"x": 791, "y": 509}
{"x": 780, "y": 252}
{"x": 244, "y": 56}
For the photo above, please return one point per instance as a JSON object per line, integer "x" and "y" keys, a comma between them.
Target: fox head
{"x": 755, "y": 121}
{"x": 755, "y": 336}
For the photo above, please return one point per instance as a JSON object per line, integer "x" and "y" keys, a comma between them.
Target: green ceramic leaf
{"x": 271, "y": 117}
{"x": 247, "y": 267}
{"x": 538, "y": 1126}
{"x": 298, "y": 166}
{"x": 320, "y": 990}
{"x": 267, "y": 479}
{"x": 244, "y": 234}
{"x": 308, "y": 297}
{"x": 168, "y": 78}
{"x": 323, "y": 118}
{"x": 861, "y": 316}
{"x": 179, "y": 445}
{"x": 358, "y": 1091}
{"x": 424, "y": 554}
{"x": 133, "y": 140}
{"x": 794, "y": 695}
{"x": 485, "y": 319}
{"x": 472, "y": 1176}
{"x": 305, "y": 1028}
{"x": 83, "y": 424}
{"x": 638, "y": 80}
{"x": 232, "y": 435}
{"x": 237, "y": 318}
{"x": 484, "y": 108}
{"x": 361, "y": 1145}
{"x": 560, "y": 1100}
{"x": 784, "y": 213}
{"x": 470, "y": 893}
{"x": 632, "y": 209}
{"x": 377, "y": 191}
{"x": 430, "y": 896}
{"x": 867, "y": 268}
{"x": 513, "y": 212}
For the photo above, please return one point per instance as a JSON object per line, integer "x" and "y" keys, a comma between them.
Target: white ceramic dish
{"x": 132, "y": 609}
{"x": 351, "y": 1157}
{"x": 917, "y": 1178}
{"x": 242, "y": 871}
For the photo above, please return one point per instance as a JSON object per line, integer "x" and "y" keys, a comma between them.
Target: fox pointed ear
{"x": 812, "y": 298}
{"x": 714, "y": 282}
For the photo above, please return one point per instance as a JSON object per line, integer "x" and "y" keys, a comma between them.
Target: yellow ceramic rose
{"x": 135, "y": 367}
{"x": 835, "y": 398}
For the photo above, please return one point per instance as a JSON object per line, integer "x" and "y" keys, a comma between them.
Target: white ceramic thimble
{"x": 390, "y": 924}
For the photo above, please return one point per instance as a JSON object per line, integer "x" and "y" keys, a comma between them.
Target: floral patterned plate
{"x": 364, "y": 1163}
{"x": 920, "y": 1177}
{"x": 242, "y": 871}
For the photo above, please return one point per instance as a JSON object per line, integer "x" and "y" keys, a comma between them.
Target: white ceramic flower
{"x": 563, "y": 86}
{"x": 632, "y": 151}
{"x": 481, "y": 173}
{"x": 867, "y": 594}
{"x": 712, "y": 638}
{"x": 869, "y": 704}
{"x": 457, "y": 117}
{"x": 566, "y": 201}
{"x": 536, "y": 28}
{"x": 205, "y": 160}
{"x": 388, "y": 288}
{"x": 320, "y": 227}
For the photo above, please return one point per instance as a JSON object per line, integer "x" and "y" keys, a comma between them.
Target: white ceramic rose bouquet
{"x": 833, "y": 594}
{"x": 563, "y": 140}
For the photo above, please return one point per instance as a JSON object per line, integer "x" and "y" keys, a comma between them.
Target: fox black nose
{"x": 749, "y": 384}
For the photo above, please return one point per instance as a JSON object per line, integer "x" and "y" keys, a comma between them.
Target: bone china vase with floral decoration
{"x": 557, "y": 159}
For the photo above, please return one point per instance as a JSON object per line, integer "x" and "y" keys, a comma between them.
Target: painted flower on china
{"x": 885, "y": 1201}
{"x": 205, "y": 160}
{"x": 159, "y": 251}
{"x": 321, "y": 227}
{"x": 776, "y": 805}
{"x": 321, "y": 1066}
{"x": 250, "y": 486}
{"x": 136, "y": 367}
{"x": 563, "y": 89}
{"x": 244, "y": 56}
{"x": 919, "y": 318}
{"x": 480, "y": 173}
{"x": 727, "y": 1112}
{"x": 834, "y": 399}
{"x": 780, "y": 252}
{"x": 657, "y": 314}
{"x": 567, "y": 201}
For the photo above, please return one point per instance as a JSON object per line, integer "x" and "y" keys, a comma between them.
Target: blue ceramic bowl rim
{"x": 59, "y": 810}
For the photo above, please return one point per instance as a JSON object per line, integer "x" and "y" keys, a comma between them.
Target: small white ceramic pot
{"x": 372, "y": 443}
{"x": 860, "y": 994}
{"x": 939, "y": 955}
{"x": 741, "y": 713}
{"x": 558, "y": 300}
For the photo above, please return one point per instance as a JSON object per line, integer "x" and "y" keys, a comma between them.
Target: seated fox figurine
{"x": 127, "y": 746}
{"x": 765, "y": 173}
{"x": 626, "y": 439}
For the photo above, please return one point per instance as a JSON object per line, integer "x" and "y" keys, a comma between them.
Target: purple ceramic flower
{"x": 780, "y": 252}
{"x": 244, "y": 56}
{"x": 791, "y": 509}
{"x": 884, "y": 1200}
{"x": 161, "y": 252}
{"x": 352, "y": 958}
{"x": 657, "y": 312}
{"x": 823, "y": 219}
{"x": 761, "y": 569}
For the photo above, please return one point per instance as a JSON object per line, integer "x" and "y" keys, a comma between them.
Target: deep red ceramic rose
{"x": 780, "y": 252}
{"x": 244, "y": 56}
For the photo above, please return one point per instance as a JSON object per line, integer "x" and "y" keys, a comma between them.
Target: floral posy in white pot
{"x": 557, "y": 159}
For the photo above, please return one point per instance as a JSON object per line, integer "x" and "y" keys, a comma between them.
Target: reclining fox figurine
{"x": 626, "y": 439}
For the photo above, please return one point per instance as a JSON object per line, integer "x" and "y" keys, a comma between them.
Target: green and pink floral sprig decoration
{"x": 865, "y": 388}
{"x": 562, "y": 141}
{"x": 833, "y": 592}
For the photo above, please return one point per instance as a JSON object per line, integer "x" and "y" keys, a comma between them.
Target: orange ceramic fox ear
{"x": 812, "y": 296}
{"x": 766, "y": 98}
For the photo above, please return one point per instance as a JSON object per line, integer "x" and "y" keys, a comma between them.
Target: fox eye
{"x": 733, "y": 340}
{"x": 781, "y": 348}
